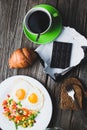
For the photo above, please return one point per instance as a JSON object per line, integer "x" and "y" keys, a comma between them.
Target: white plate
{"x": 43, "y": 118}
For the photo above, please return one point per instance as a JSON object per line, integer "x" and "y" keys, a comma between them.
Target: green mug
{"x": 53, "y": 24}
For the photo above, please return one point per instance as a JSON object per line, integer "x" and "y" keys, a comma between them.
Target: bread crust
{"x": 66, "y": 102}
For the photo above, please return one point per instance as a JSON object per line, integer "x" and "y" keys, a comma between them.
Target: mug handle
{"x": 55, "y": 14}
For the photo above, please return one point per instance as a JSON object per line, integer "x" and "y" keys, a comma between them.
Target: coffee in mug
{"x": 38, "y": 20}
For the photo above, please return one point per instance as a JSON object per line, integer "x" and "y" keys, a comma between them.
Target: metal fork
{"x": 71, "y": 93}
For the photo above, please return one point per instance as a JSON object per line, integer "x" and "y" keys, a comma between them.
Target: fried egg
{"x": 35, "y": 99}
{"x": 30, "y": 96}
{"x": 20, "y": 90}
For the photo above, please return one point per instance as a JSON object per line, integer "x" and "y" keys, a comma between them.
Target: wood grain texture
{"x": 74, "y": 14}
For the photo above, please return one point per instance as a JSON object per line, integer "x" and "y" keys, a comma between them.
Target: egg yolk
{"x": 20, "y": 93}
{"x": 33, "y": 98}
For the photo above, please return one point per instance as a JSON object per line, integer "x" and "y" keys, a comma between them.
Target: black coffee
{"x": 38, "y": 22}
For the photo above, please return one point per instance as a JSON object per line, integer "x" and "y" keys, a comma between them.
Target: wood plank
{"x": 83, "y": 74}
{"x": 83, "y": 78}
{"x": 53, "y": 89}
{"x": 12, "y": 32}
{"x": 74, "y": 14}
{"x": 66, "y": 117}
{"x": 77, "y": 123}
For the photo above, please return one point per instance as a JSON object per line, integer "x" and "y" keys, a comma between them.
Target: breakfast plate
{"x": 8, "y": 87}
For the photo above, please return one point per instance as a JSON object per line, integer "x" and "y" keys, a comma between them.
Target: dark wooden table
{"x": 12, "y": 12}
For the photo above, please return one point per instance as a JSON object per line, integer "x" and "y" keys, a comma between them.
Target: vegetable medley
{"x": 19, "y": 115}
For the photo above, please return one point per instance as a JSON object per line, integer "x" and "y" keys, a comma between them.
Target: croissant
{"x": 22, "y": 58}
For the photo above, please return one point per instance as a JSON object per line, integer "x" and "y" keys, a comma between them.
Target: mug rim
{"x": 34, "y": 9}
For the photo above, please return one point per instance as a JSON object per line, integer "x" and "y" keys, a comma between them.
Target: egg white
{"x": 39, "y": 104}
{"x": 29, "y": 89}
{"x": 20, "y": 84}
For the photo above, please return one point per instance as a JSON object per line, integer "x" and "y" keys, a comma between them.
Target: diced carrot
{"x": 4, "y": 102}
{"x": 18, "y": 117}
{"x": 7, "y": 109}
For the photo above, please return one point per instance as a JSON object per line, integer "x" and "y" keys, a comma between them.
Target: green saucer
{"x": 52, "y": 33}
